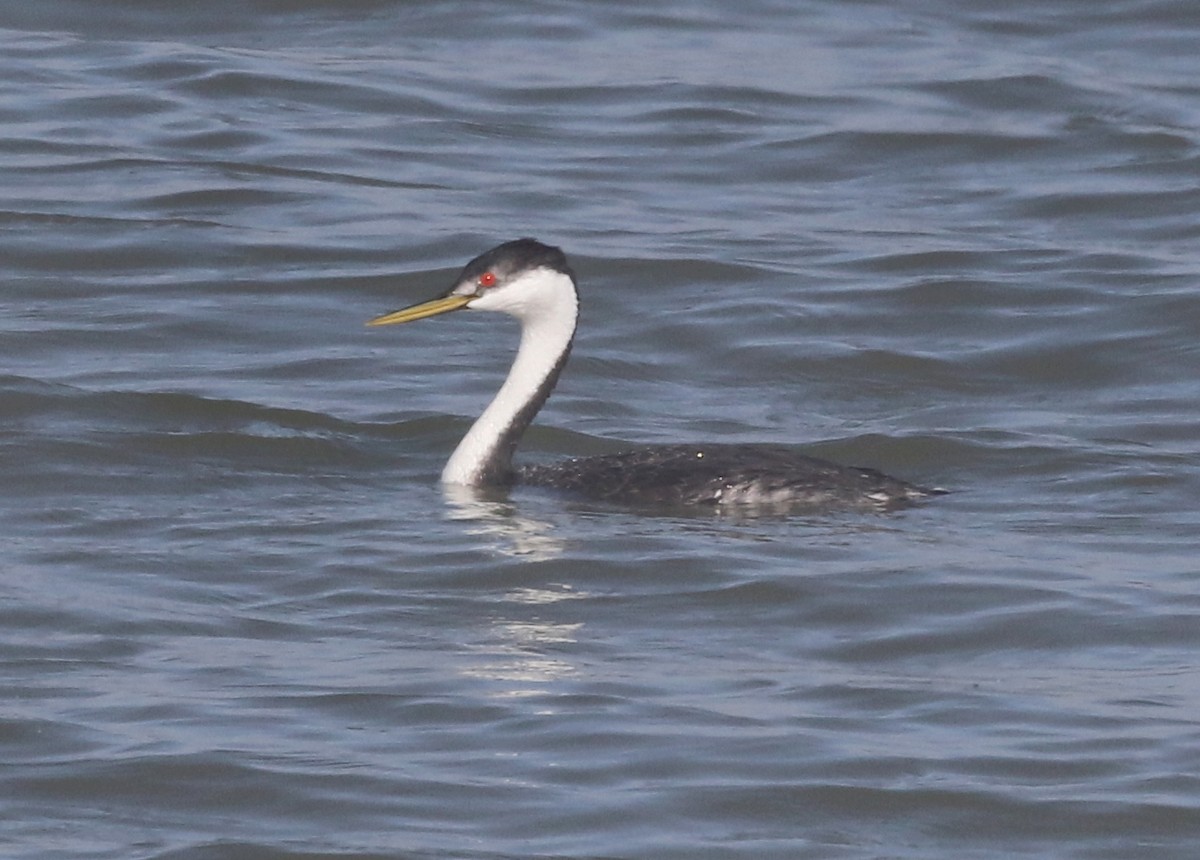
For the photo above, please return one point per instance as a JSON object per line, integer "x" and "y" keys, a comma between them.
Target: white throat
{"x": 547, "y": 306}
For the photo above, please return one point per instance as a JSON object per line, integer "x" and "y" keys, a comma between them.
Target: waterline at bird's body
{"x": 534, "y": 283}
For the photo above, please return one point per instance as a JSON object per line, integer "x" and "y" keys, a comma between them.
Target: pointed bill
{"x": 431, "y": 308}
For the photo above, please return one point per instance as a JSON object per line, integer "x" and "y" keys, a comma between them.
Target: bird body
{"x": 714, "y": 475}
{"x": 534, "y": 283}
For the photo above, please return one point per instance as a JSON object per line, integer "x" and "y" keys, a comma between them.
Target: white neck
{"x": 548, "y": 310}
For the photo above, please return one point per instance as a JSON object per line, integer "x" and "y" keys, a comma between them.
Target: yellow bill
{"x": 431, "y": 308}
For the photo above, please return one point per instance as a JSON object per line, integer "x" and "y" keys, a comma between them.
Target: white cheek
{"x": 518, "y": 299}
{"x": 537, "y": 294}
{"x": 489, "y": 301}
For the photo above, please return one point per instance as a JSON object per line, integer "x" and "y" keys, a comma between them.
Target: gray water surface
{"x": 240, "y": 618}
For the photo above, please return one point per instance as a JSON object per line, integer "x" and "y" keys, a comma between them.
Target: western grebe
{"x": 534, "y": 283}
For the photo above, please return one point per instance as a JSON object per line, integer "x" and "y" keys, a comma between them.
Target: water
{"x": 241, "y": 620}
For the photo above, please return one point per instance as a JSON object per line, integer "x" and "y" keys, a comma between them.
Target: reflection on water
{"x": 515, "y": 650}
{"x": 545, "y": 595}
{"x": 508, "y": 531}
{"x": 516, "y": 657}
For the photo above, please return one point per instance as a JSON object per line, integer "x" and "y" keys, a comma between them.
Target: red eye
{"x": 487, "y": 279}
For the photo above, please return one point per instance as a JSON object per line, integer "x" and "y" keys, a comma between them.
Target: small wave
{"x": 120, "y": 427}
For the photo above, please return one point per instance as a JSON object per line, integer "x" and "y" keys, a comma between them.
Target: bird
{"x": 534, "y": 283}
